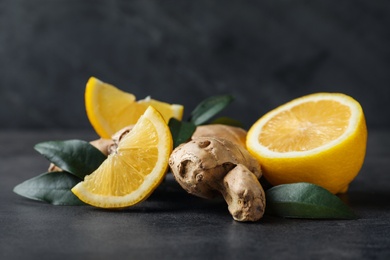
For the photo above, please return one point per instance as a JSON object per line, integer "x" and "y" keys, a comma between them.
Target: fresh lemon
{"x": 110, "y": 109}
{"x": 319, "y": 138}
{"x": 132, "y": 173}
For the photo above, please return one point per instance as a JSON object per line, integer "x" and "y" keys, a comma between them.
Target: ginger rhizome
{"x": 215, "y": 162}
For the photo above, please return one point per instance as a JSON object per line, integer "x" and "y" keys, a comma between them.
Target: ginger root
{"x": 209, "y": 165}
{"x": 234, "y": 134}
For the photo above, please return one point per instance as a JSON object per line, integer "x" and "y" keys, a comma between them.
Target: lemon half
{"x": 319, "y": 138}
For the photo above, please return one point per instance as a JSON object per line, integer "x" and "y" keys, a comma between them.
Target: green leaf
{"x": 74, "y": 156}
{"x": 227, "y": 121}
{"x": 209, "y": 108}
{"x": 305, "y": 200}
{"x": 51, "y": 187}
{"x": 181, "y": 131}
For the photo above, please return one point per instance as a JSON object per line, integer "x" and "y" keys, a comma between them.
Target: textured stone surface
{"x": 263, "y": 52}
{"x": 172, "y": 224}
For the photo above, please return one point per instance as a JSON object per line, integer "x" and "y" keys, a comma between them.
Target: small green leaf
{"x": 51, "y": 187}
{"x": 209, "y": 108}
{"x": 181, "y": 131}
{"x": 305, "y": 200}
{"x": 227, "y": 121}
{"x": 74, "y": 156}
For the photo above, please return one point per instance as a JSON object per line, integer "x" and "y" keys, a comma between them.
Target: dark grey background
{"x": 262, "y": 52}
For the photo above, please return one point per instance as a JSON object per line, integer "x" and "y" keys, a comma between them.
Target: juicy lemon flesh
{"x": 310, "y": 125}
{"x": 110, "y": 109}
{"x": 167, "y": 110}
{"x": 319, "y": 138}
{"x": 126, "y": 169}
{"x": 138, "y": 166}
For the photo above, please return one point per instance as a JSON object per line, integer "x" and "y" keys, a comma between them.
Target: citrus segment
{"x": 319, "y": 138}
{"x": 110, "y": 109}
{"x": 167, "y": 110}
{"x": 137, "y": 167}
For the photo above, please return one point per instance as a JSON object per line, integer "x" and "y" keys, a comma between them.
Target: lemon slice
{"x": 132, "y": 173}
{"x": 319, "y": 138}
{"x": 110, "y": 109}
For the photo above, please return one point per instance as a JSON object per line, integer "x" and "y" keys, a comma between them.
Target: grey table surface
{"x": 174, "y": 225}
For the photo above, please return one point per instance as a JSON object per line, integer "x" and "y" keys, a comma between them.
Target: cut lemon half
{"x": 319, "y": 138}
{"x": 132, "y": 173}
{"x": 110, "y": 109}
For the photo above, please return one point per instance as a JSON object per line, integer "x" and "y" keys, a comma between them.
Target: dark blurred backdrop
{"x": 264, "y": 53}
